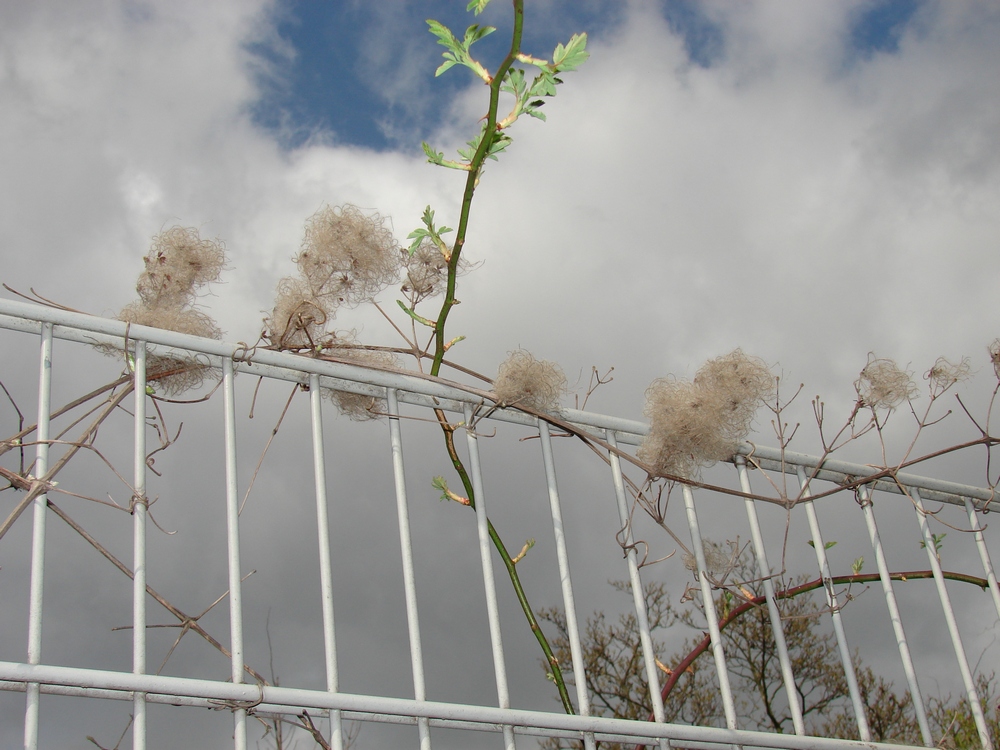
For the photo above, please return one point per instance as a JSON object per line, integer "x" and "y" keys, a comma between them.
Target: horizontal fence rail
{"x": 331, "y": 708}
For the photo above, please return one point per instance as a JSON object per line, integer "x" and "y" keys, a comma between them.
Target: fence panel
{"x": 429, "y": 646}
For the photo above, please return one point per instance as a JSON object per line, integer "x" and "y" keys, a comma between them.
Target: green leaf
{"x": 573, "y": 55}
{"x": 514, "y": 82}
{"x": 428, "y": 230}
{"x": 476, "y": 32}
{"x": 857, "y": 565}
{"x": 477, "y": 6}
{"x": 445, "y": 65}
{"x": 458, "y": 52}
{"x": 543, "y": 85}
{"x": 444, "y": 35}
{"x": 419, "y": 318}
{"x": 531, "y": 109}
{"x": 433, "y": 156}
{"x": 441, "y": 485}
{"x": 417, "y": 235}
{"x": 827, "y": 545}
{"x": 498, "y": 146}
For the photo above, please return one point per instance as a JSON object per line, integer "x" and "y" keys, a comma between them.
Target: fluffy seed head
{"x": 348, "y": 256}
{"x": 944, "y": 374}
{"x": 299, "y": 318}
{"x": 181, "y": 319}
{"x": 358, "y": 406}
{"x": 426, "y": 272}
{"x": 687, "y": 429}
{"x": 717, "y": 562}
{"x": 741, "y": 382}
{"x": 994, "y": 350}
{"x": 179, "y": 262}
{"x": 189, "y": 372}
{"x": 525, "y": 381}
{"x": 883, "y": 385}
{"x": 694, "y": 424}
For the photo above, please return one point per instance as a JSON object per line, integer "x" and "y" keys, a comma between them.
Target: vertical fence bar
{"x": 949, "y": 614}
{"x": 233, "y": 546}
{"x": 325, "y": 565}
{"x": 728, "y": 704}
{"x": 489, "y": 581}
{"x": 409, "y": 579}
{"x": 984, "y": 554}
{"x": 38, "y": 535}
{"x": 894, "y": 616}
{"x": 140, "y": 505}
{"x": 764, "y": 569}
{"x": 831, "y": 601}
{"x": 562, "y": 557}
{"x": 638, "y": 597}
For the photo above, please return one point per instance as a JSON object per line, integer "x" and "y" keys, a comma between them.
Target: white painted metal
{"x": 38, "y": 534}
{"x": 489, "y": 579}
{"x": 708, "y": 602}
{"x": 562, "y": 556}
{"x": 233, "y": 548}
{"x": 140, "y": 506}
{"x": 834, "y": 606}
{"x": 961, "y": 657}
{"x": 635, "y": 581}
{"x": 409, "y": 575}
{"x": 764, "y": 569}
{"x": 325, "y": 566}
{"x": 867, "y": 507}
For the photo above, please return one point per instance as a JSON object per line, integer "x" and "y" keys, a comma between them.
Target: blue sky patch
{"x": 362, "y": 73}
{"x": 878, "y": 26}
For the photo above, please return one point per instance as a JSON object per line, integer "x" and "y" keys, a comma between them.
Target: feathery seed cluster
{"x": 994, "y": 350}
{"x": 717, "y": 562}
{"x": 426, "y": 272}
{"x": 525, "y": 381}
{"x": 882, "y": 385}
{"x": 178, "y": 264}
{"x": 694, "y": 424}
{"x": 944, "y": 374}
{"x": 358, "y": 406}
{"x": 346, "y": 258}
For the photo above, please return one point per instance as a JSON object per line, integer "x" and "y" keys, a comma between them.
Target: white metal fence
{"x": 27, "y": 667}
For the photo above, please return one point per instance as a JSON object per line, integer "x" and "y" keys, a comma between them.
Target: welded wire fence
{"x": 330, "y": 708}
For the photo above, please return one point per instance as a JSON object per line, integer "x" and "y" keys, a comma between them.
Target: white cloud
{"x": 807, "y": 209}
{"x": 781, "y": 200}
{"x": 803, "y": 204}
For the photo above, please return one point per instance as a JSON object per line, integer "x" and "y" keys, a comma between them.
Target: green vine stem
{"x": 475, "y": 167}
{"x": 509, "y": 564}
{"x": 471, "y": 182}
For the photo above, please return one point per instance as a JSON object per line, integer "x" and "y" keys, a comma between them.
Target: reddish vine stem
{"x": 757, "y": 601}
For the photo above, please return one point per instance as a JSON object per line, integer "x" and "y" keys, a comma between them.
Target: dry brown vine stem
{"x": 188, "y": 622}
{"x": 41, "y": 485}
{"x": 131, "y": 718}
{"x": 274, "y": 433}
{"x": 14, "y": 440}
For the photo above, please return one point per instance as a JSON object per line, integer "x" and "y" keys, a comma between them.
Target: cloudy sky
{"x": 808, "y": 181}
